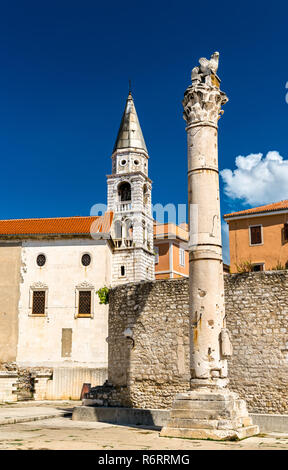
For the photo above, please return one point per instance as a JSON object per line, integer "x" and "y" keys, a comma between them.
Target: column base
{"x": 206, "y": 413}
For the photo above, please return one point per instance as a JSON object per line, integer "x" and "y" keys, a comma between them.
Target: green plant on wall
{"x": 279, "y": 267}
{"x": 103, "y": 295}
{"x": 244, "y": 267}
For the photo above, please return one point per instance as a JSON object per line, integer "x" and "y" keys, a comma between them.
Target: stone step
{"x": 246, "y": 421}
{"x": 234, "y": 423}
{"x": 215, "y": 434}
{"x": 247, "y": 431}
{"x": 193, "y": 423}
{"x": 224, "y": 424}
{"x": 202, "y": 404}
{"x": 223, "y": 395}
{"x": 230, "y": 408}
{"x": 203, "y": 414}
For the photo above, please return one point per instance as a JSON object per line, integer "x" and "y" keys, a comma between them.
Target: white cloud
{"x": 257, "y": 180}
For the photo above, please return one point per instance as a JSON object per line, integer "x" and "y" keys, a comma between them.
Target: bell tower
{"x": 129, "y": 197}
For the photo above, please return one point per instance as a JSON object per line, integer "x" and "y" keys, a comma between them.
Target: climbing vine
{"x": 103, "y": 295}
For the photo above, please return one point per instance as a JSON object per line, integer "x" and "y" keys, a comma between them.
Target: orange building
{"x": 171, "y": 251}
{"x": 258, "y": 238}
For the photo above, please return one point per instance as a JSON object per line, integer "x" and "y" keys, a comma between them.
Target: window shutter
{"x": 286, "y": 231}
{"x": 181, "y": 257}
{"x": 256, "y": 236}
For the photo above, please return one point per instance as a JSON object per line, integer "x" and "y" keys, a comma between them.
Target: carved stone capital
{"x": 202, "y": 104}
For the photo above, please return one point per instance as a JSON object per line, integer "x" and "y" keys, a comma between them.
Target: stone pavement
{"x": 32, "y": 411}
{"x": 62, "y": 433}
{"x": 49, "y": 403}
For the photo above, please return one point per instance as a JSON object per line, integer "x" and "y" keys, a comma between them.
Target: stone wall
{"x": 150, "y": 363}
{"x": 257, "y": 317}
{"x": 150, "y": 373}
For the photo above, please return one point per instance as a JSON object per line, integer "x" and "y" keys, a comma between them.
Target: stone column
{"x": 202, "y": 106}
{"x": 209, "y": 410}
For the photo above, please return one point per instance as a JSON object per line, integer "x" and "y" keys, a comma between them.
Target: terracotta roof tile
{"x": 275, "y": 206}
{"x": 57, "y": 226}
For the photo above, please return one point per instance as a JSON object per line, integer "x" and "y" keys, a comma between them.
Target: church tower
{"x": 129, "y": 197}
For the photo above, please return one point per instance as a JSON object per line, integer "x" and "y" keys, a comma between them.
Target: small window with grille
{"x": 84, "y": 303}
{"x": 38, "y": 302}
{"x": 41, "y": 260}
{"x": 86, "y": 259}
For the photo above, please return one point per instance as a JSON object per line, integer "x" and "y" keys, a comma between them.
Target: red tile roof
{"x": 276, "y": 206}
{"x": 57, "y": 226}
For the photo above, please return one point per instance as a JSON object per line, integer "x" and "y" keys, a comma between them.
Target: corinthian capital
{"x": 203, "y": 99}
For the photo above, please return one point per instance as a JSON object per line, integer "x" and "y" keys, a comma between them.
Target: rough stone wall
{"x": 257, "y": 317}
{"x": 149, "y": 374}
{"x": 148, "y": 370}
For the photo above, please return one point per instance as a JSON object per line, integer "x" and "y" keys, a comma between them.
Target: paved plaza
{"x": 61, "y": 433}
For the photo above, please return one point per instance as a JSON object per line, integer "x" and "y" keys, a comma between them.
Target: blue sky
{"x": 64, "y": 77}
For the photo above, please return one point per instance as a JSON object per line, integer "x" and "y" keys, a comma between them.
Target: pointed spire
{"x": 130, "y": 133}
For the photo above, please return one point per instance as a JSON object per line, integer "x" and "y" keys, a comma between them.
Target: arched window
{"x": 145, "y": 194}
{"x": 118, "y": 230}
{"x": 129, "y": 229}
{"x": 124, "y": 192}
{"x": 144, "y": 232}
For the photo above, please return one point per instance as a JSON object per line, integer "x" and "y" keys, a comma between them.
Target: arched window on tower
{"x": 144, "y": 232}
{"x": 129, "y": 232}
{"x": 118, "y": 233}
{"x": 145, "y": 194}
{"x": 124, "y": 192}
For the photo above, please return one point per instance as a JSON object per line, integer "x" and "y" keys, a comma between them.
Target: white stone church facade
{"x": 51, "y": 270}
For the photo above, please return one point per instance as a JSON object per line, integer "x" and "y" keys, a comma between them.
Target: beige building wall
{"x": 10, "y": 260}
{"x": 60, "y": 338}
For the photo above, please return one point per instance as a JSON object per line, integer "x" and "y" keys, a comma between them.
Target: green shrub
{"x": 103, "y": 295}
